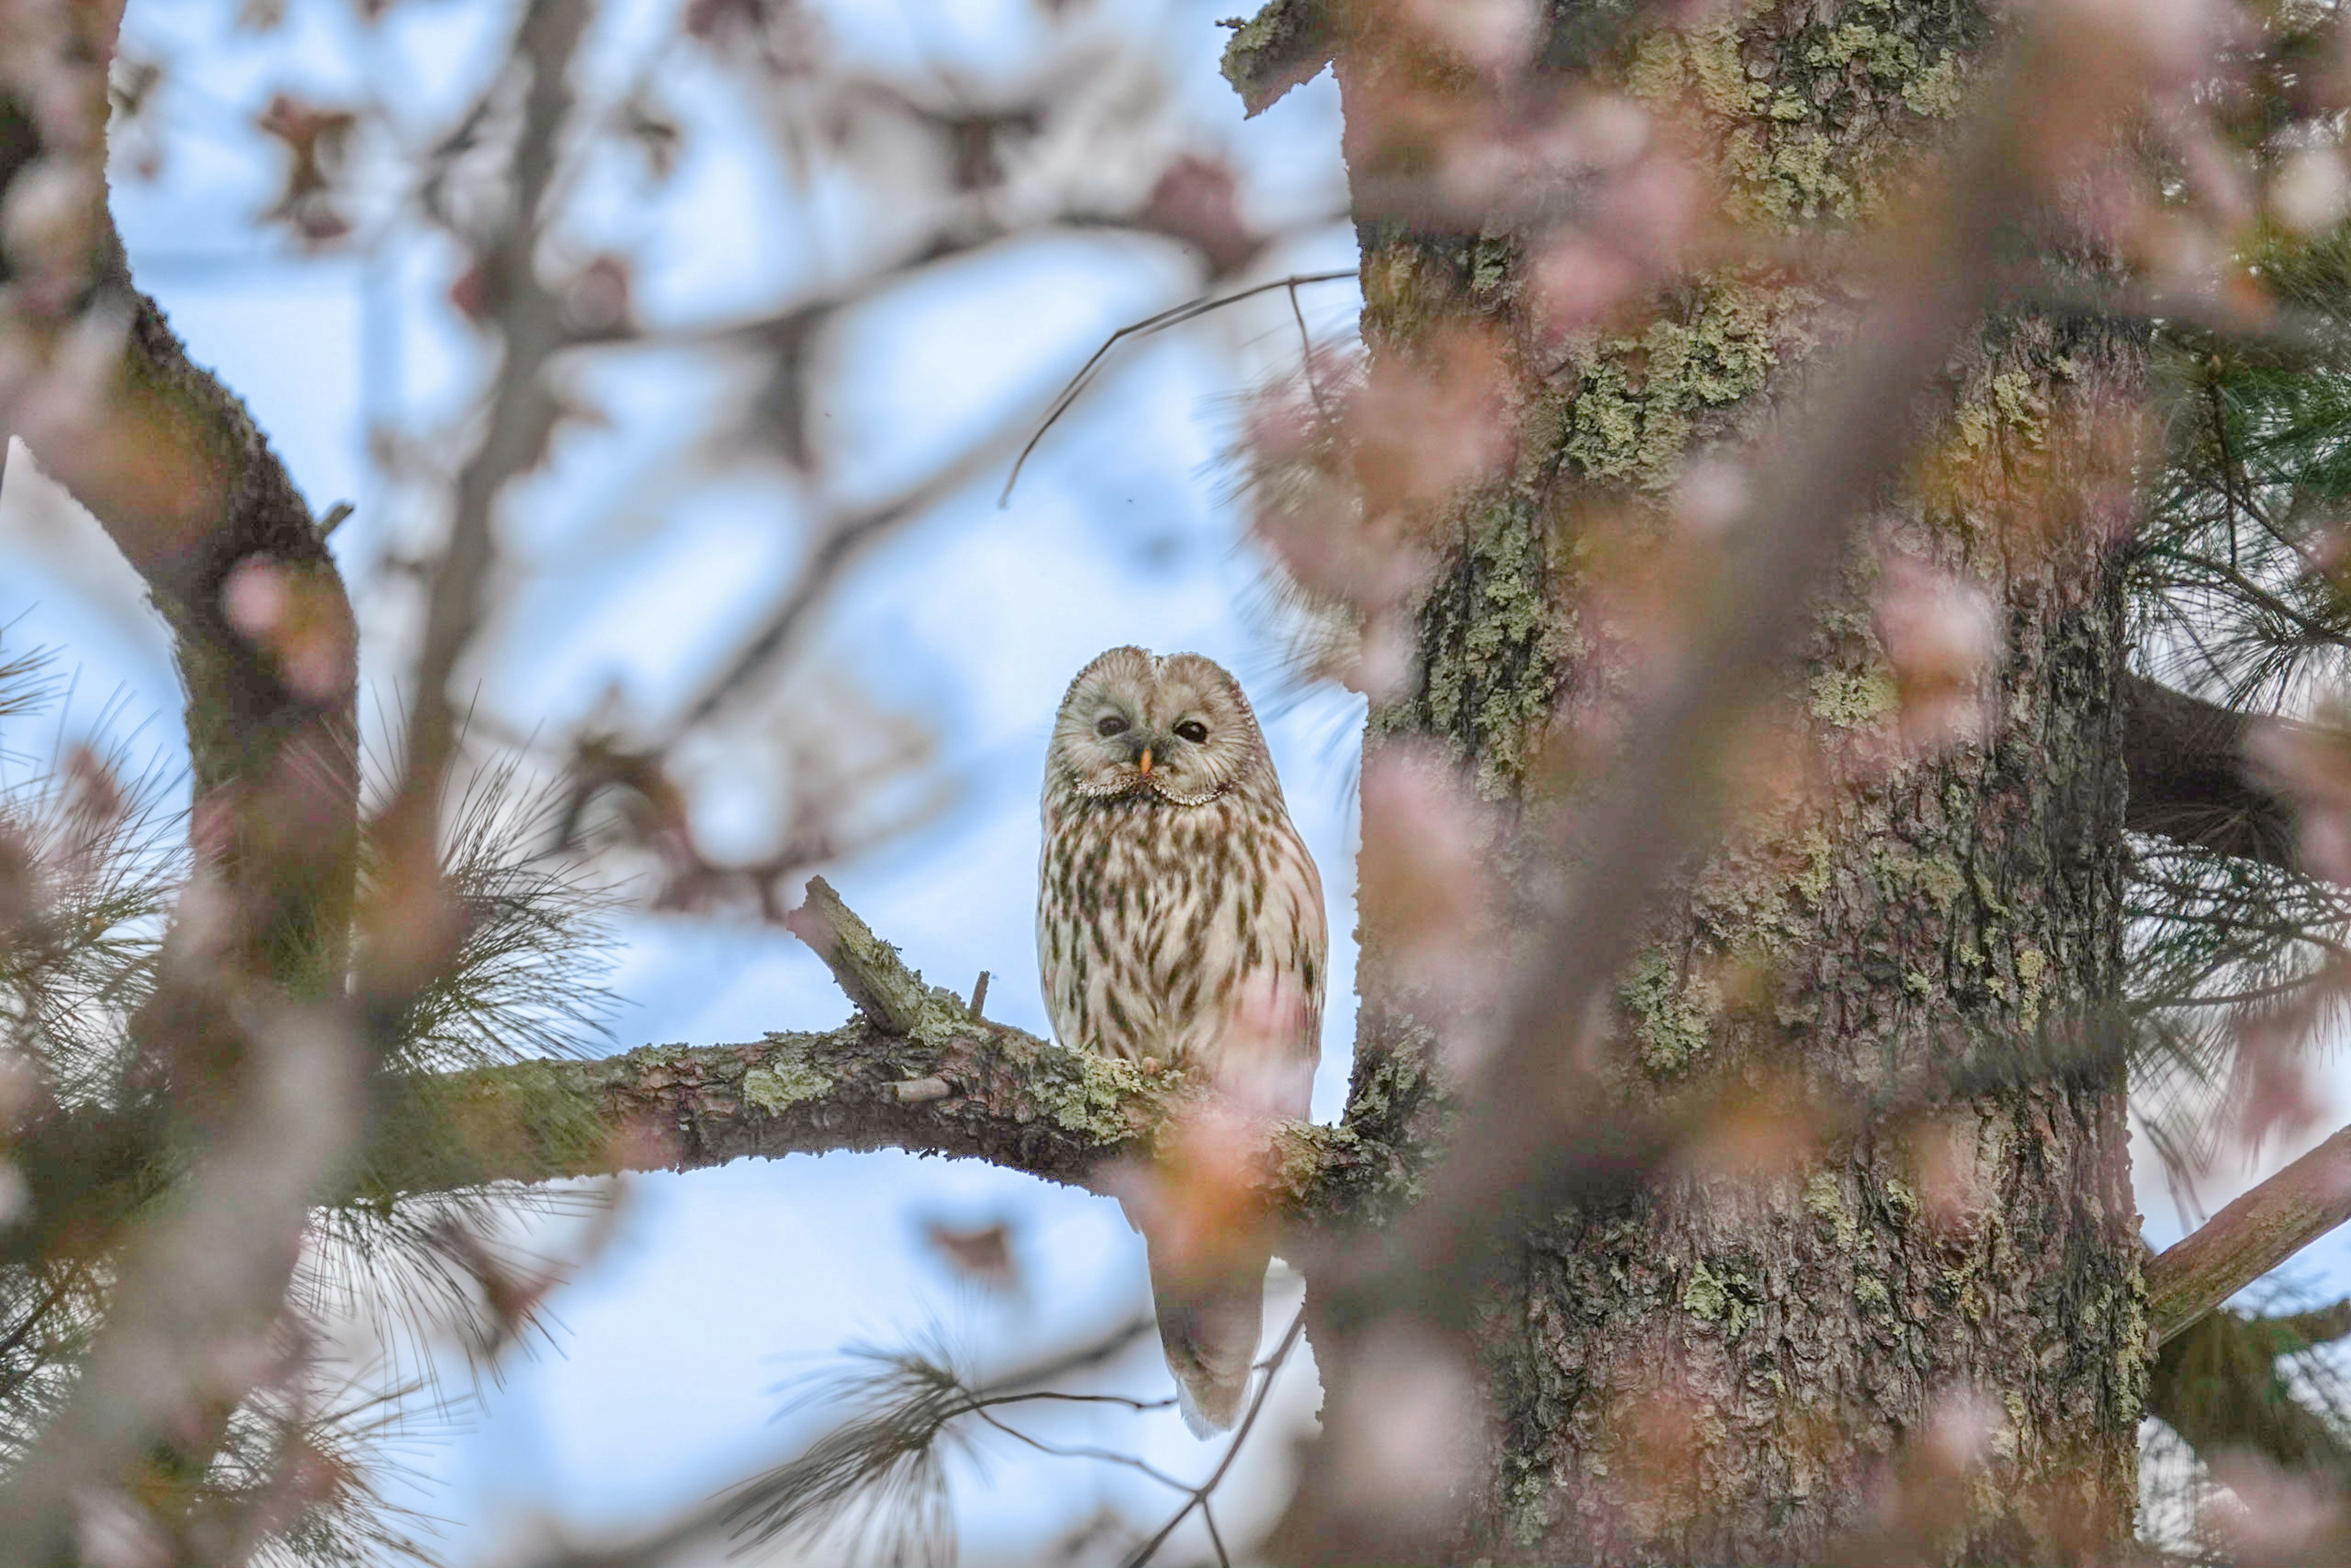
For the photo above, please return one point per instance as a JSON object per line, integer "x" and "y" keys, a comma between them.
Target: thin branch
{"x": 523, "y": 409}
{"x": 862, "y": 965}
{"x": 1060, "y": 1451}
{"x": 1201, "y": 1493}
{"x": 1174, "y": 317}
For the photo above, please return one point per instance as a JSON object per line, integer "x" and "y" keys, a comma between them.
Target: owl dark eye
{"x": 1113, "y": 724}
{"x": 1193, "y": 730}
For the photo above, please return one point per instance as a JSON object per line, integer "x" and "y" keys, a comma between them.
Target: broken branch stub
{"x": 868, "y": 968}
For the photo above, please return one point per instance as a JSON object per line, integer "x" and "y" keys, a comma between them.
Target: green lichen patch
{"x": 1088, "y": 1094}
{"x": 1637, "y": 394}
{"x": 1672, "y": 1021}
{"x": 1824, "y": 1200}
{"x": 1725, "y": 1300}
{"x": 1816, "y": 111}
{"x": 783, "y": 1081}
{"x": 1936, "y": 878}
{"x": 2011, "y": 407}
{"x": 1492, "y": 644}
{"x": 1703, "y": 1296}
{"x": 1854, "y": 699}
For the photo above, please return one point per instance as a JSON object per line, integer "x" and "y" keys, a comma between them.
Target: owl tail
{"x": 1208, "y": 1322}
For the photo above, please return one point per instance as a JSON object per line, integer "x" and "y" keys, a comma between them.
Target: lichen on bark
{"x": 1980, "y": 1262}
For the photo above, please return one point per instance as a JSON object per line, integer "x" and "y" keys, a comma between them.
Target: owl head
{"x": 1176, "y": 727}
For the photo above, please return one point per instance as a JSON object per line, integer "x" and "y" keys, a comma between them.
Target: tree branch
{"x": 980, "y": 1090}
{"x": 2251, "y": 1236}
{"x": 2191, "y": 780}
{"x": 1285, "y": 45}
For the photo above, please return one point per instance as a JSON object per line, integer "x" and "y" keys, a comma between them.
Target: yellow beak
{"x": 1144, "y": 762}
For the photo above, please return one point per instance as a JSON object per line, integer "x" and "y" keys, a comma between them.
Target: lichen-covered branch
{"x": 2251, "y": 1236}
{"x": 915, "y": 1070}
{"x": 241, "y": 1035}
{"x": 1009, "y": 1098}
{"x": 879, "y": 984}
{"x": 1285, "y": 45}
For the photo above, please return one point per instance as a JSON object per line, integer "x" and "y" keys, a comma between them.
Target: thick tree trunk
{"x": 1932, "y": 1337}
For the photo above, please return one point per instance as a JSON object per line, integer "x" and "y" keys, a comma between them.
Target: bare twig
{"x": 1201, "y": 1493}
{"x": 1174, "y": 317}
{"x": 523, "y": 409}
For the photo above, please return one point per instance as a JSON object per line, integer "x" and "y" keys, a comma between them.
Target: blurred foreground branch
{"x": 266, "y": 1074}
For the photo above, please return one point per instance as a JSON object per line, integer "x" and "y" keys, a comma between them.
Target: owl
{"x": 1179, "y": 918}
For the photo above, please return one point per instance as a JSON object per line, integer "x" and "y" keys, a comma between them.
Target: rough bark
{"x": 1737, "y": 1369}
{"x": 962, "y": 1088}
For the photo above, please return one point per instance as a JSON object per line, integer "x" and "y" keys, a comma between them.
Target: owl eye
{"x": 1113, "y": 724}
{"x": 1193, "y": 730}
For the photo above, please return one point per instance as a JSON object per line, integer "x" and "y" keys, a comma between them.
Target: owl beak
{"x": 1142, "y": 763}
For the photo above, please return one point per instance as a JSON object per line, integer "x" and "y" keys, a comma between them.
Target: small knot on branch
{"x": 919, "y": 1091}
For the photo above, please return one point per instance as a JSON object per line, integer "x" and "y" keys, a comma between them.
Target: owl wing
{"x": 1262, "y": 1042}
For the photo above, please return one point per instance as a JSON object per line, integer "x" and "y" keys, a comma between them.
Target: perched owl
{"x": 1180, "y": 917}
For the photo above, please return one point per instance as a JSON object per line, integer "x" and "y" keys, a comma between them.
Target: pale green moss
{"x": 2032, "y": 969}
{"x": 2005, "y": 1441}
{"x": 1491, "y": 676}
{"x": 1636, "y": 393}
{"x": 1869, "y": 1294}
{"x": 2012, "y": 404}
{"x": 1819, "y": 865}
{"x": 1808, "y": 120}
{"x": 1531, "y": 1508}
{"x": 1934, "y": 876}
{"x": 1987, "y": 895}
{"x": 1936, "y": 92}
{"x": 1656, "y": 74}
{"x": 1703, "y": 1296}
{"x": 1721, "y": 75}
{"x": 1725, "y": 1300}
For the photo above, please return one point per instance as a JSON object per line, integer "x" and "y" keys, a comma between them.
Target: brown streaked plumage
{"x": 1180, "y": 917}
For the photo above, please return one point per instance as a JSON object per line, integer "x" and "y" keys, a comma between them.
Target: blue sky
{"x": 637, "y": 566}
